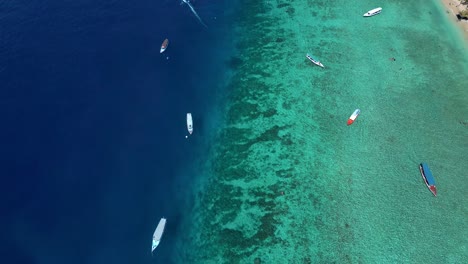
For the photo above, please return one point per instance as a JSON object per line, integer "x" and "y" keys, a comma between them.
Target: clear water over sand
{"x": 288, "y": 182}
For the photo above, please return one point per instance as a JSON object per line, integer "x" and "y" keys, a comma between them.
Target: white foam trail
{"x": 194, "y": 12}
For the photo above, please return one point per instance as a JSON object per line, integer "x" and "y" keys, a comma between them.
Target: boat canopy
{"x": 428, "y": 174}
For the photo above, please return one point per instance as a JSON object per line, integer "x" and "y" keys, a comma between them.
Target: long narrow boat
{"x": 428, "y": 178}
{"x": 353, "y": 116}
{"x": 164, "y": 45}
{"x": 316, "y": 62}
{"x": 373, "y": 12}
{"x": 189, "y": 123}
{"x": 158, "y": 232}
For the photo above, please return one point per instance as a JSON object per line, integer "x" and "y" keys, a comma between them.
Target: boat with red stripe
{"x": 428, "y": 178}
{"x": 353, "y": 116}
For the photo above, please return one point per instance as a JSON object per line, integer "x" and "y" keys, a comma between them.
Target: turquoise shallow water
{"x": 288, "y": 182}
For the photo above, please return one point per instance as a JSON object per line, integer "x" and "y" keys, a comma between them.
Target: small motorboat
{"x": 316, "y": 62}
{"x": 428, "y": 178}
{"x": 373, "y": 12}
{"x": 164, "y": 45}
{"x": 158, "y": 232}
{"x": 353, "y": 116}
{"x": 189, "y": 123}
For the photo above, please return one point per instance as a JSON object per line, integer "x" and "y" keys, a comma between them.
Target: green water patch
{"x": 290, "y": 182}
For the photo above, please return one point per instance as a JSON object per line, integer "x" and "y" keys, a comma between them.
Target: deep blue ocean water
{"x": 93, "y": 145}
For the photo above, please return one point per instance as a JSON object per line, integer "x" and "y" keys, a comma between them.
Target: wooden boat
{"x": 428, "y": 178}
{"x": 316, "y": 62}
{"x": 164, "y": 45}
{"x": 353, "y": 116}
{"x": 373, "y": 12}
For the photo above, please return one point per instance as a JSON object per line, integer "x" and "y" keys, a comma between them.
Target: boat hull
{"x": 158, "y": 232}
{"x": 428, "y": 179}
{"x": 189, "y": 123}
{"x": 353, "y": 116}
{"x": 373, "y": 12}
{"x": 164, "y": 46}
{"x": 318, "y": 63}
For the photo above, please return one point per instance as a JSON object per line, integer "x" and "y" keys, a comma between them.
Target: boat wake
{"x": 194, "y": 12}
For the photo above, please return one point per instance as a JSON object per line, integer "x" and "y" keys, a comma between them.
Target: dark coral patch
{"x": 270, "y": 112}
{"x": 234, "y": 63}
{"x": 271, "y": 134}
{"x": 267, "y": 228}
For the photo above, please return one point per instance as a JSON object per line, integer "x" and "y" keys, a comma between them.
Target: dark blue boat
{"x": 428, "y": 178}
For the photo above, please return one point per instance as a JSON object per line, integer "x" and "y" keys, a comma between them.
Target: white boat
{"x": 164, "y": 46}
{"x": 353, "y": 116}
{"x": 316, "y": 62}
{"x": 373, "y": 12}
{"x": 189, "y": 123}
{"x": 158, "y": 234}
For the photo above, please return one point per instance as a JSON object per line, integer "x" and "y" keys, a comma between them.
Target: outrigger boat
{"x": 189, "y": 123}
{"x": 316, "y": 62}
{"x": 158, "y": 232}
{"x": 373, "y": 12}
{"x": 428, "y": 178}
{"x": 353, "y": 116}
{"x": 164, "y": 45}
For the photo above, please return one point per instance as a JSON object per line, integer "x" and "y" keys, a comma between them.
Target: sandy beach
{"x": 453, "y": 7}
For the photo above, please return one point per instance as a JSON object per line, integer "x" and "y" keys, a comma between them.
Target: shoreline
{"x": 452, "y": 8}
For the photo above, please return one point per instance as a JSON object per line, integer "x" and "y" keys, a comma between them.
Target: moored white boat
{"x": 353, "y": 116}
{"x": 158, "y": 232}
{"x": 189, "y": 123}
{"x": 373, "y": 12}
{"x": 164, "y": 46}
{"x": 316, "y": 62}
